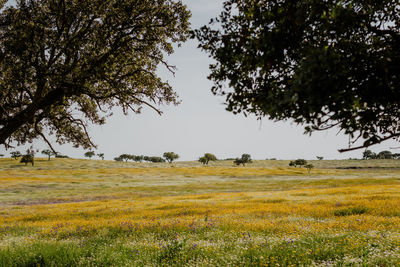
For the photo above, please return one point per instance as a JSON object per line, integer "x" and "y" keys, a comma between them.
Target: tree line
{"x": 368, "y": 154}
{"x": 167, "y": 157}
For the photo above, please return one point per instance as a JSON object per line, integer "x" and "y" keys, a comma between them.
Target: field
{"x": 67, "y": 212}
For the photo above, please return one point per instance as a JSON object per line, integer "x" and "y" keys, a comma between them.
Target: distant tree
{"x": 396, "y": 156}
{"x": 101, "y": 155}
{"x": 59, "y": 156}
{"x": 203, "y": 160}
{"x": 246, "y": 158}
{"x": 385, "y": 155}
{"x": 1, "y": 155}
{"x": 48, "y": 153}
{"x": 156, "y": 159}
{"x": 29, "y": 157}
{"x": 170, "y": 156}
{"x": 146, "y": 158}
{"x": 126, "y": 157}
{"x": 119, "y": 159}
{"x": 207, "y": 158}
{"x": 300, "y": 162}
{"x": 368, "y": 154}
{"x": 309, "y": 167}
{"x": 320, "y": 158}
{"x": 90, "y": 154}
{"x": 138, "y": 158}
{"x": 16, "y": 154}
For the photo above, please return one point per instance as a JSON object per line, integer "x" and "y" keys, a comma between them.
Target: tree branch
{"x": 373, "y": 143}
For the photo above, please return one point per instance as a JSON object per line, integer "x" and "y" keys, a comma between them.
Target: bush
{"x": 246, "y": 158}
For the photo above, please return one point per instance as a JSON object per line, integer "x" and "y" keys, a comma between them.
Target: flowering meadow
{"x": 67, "y": 212}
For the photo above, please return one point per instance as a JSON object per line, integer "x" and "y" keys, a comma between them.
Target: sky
{"x": 200, "y": 124}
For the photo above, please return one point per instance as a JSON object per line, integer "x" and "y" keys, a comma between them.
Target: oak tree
{"x": 29, "y": 157}
{"x": 126, "y": 157}
{"x": 207, "y": 158}
{"x": 246, "y": 158}
{"x": 49, "y": 153}
{"x": 170, "y": 156}
{"x": 64, "y": 64}
{"x": 15, "y": 154}
{"x": 90, "y": 154}
{"x": 309, "y": 167}
{"x": 322, "y": 64}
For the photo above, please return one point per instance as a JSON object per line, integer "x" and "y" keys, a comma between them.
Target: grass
{"x": 67, "y": 212}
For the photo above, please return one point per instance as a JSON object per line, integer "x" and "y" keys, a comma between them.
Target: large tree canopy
{"x": 66, "y": 63}
{"x": 322, "y": 64}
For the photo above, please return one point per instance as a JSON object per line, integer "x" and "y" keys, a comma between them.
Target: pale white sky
{"x": 201, "y": 125}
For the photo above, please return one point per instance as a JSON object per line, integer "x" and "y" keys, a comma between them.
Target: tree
{"x": 309, "y": 167}
{"x": 138, "y": 158}
{"x": 157, "y": 159}
{"x": 118, "y": 159}
{"x": 126, "y": 157}
{"x": 170, "y": 156}
{"x": 320, "y": 158}
{"x": 60, "y": 156}
{"x": 203, "y": 160}
{"x": 297, "y": 162}
{"x": 90, "y": 154}
{"x": 322, "y": 64}
{"x": 385, "y": 155}
{"x": 246, "y": 158}
{"x": 101, "y": 155}
{"x": 396, "y": 156}
{"x": 16, "y": 154}
{"x": 65, "y": 64}
{"x": 29, "y": 157}
{"x": 1, "y": 155}
{"x": 207, "y": 158}
{"x": 368, "y": 154}
{"x": 300, "y": 162}
{"x": 48, "y": 153}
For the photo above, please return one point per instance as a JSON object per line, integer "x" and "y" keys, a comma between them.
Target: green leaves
{"x": 170, "y": 156}
{"x": 66, "y": 64}
{"x": 322, "y": 64}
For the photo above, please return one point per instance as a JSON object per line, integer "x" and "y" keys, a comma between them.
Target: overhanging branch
{"x": 373, "y": 143}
